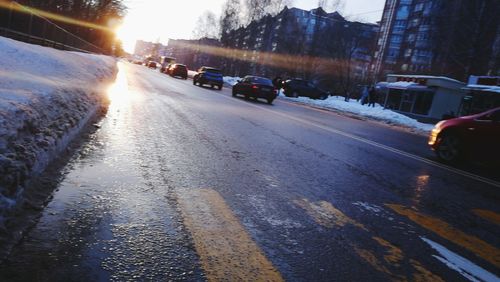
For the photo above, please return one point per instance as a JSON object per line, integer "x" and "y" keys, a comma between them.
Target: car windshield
{"x": 212, "y": 70}
{"x": 261, "y": 80}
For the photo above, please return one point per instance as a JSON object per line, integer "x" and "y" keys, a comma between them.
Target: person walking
{"x": 372, "y": 96}
{"x": 364, "y": 95}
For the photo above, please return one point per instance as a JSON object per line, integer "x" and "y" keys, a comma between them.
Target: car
{"x": 152, "y": 64}
{"x": 209, "y": 75}
{"x": 299, "y": 87}
{"x": 165, "y": 68}
{"x": 470, "y": 137}
{"x": 178, "y": 70}
{"x": 255, "y": 87}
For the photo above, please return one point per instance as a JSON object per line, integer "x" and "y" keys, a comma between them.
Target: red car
{"x": 475, "y": 137}
{"x": 178, "y": 70}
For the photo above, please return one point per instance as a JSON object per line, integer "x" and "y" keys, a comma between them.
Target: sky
{"x": 153, "y": 20}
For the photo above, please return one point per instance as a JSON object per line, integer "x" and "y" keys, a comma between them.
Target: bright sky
{"x": 151, "y": 20}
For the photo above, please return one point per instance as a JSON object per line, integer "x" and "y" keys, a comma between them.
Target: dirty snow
{"x": 368, "y": 207}
{"x": 46, "y": 97}
{"x": 230, "y": 80}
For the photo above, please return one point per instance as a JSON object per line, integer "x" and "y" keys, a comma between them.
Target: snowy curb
{"x": 46, "y": 98}
{"x": 354, "y": 108}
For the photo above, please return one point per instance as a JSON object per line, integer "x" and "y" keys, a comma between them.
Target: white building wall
{"x": 445, "y": 100}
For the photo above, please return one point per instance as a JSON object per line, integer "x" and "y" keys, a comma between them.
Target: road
{"x": 187, "y": 183}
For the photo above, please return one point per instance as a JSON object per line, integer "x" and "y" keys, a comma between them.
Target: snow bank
{"x": 354, "y": 107}
{"x": 230, "y": 80}
{"x": 191, "y": 73}
{"x": 46, "y": 97}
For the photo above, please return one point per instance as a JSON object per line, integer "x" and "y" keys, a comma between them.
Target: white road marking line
{"x": 460, "y": 264}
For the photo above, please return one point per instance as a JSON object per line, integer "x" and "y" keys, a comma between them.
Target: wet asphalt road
{"x": 187, "y": 183}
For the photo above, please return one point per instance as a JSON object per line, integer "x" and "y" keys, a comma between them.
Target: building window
{"x": 403, "y": 12}
{"x": 396, "y": 39}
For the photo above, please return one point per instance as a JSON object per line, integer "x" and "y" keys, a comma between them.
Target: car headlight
{"x": 435, "y": 132}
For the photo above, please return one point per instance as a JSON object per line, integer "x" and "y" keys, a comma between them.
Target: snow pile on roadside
{"x": 230, "y": 80}
{"x": 46, "y": 97}
{"x": 191, "y": 73}
{"x": 354, "y": 107}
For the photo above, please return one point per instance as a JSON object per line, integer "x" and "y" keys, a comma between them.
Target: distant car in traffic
{"x": 255, "y": 87}
{"x": 299, "y": 87}
{"x": 210, "y": 76}
{"x": 179, "y": 70}
{"x": 163, "y": 69}
{"x": 474, "y": 137}
{"x": 152, "y": 65}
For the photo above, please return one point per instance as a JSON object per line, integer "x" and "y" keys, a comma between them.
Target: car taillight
{"x": 255, "y": 87}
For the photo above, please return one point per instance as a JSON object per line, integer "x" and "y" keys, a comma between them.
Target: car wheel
{"x": 270, "y": 101}
{"x": 194, "y": 81}
{"x": 247, "y": 97}
{"x": 295, "y": 94}
{"x": 449, "y": 148}
{"x": 234, "y": 92}
{"x": 219, "y": 87}
{"x": 323, "y": 97}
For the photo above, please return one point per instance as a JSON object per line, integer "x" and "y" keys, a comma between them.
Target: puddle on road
{"x": 110, "y": 217}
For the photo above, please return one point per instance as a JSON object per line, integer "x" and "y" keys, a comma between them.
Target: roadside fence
{"x": 30, "y": 27}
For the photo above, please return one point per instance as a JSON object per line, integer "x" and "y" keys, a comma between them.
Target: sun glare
{"x": 127, "y": 36}
{"x": 119, "y": 92}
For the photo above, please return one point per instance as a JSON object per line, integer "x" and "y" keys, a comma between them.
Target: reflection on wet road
{"x": 186, "y": 183}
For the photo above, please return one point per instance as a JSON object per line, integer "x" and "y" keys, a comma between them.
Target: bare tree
{"x": 464, "y": 39}
{"x": 277, "y": 6}
{"x": 332, "y": 5}
{"x": 206, "y": 26}
{"x": 230, "y": 18}
{"x": 256, "y": 9}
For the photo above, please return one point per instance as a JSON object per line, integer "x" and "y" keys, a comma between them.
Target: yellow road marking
{"x": 422, "y": 274}
{"x": 488, "y": 215}
{"x": 226, "y": 250}
{"x": 443, "y": 229}
{"x": 326, "y": 214}
{"x": 394, "y": 254}
{"x": 371, "y": 259}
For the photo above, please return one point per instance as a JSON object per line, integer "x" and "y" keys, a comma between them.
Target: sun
{"x": 127, "y": 36}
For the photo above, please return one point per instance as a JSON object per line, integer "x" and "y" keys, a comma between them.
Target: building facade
{"x": 195, "y": 53}
{"x": 438, "y": 37}
{"x": 313, "y": 44}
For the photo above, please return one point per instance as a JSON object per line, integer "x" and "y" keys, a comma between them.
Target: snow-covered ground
{"x": 46, "y": 97}
{"x": 355, "y": 108}
{"x": 230, "y": 81}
